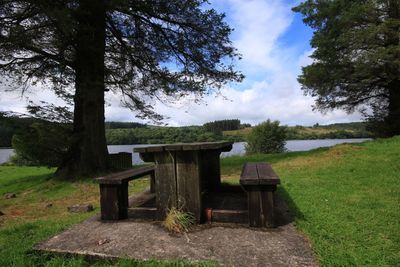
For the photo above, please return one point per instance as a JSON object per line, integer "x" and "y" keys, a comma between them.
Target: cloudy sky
{"x": 274, "y": 44}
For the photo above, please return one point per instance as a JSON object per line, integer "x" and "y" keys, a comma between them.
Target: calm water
{"x": 5, "y": 153}
{"x": 237, "y": 149}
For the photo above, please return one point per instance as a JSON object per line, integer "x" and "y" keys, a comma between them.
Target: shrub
{"x": 42, "y": 143}
{"x": 267, "y": 137}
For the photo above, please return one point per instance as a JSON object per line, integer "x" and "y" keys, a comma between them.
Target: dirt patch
{"x": 227, "y": 244}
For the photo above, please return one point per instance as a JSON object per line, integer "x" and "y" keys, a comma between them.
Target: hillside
{"x": 331, "y": 131}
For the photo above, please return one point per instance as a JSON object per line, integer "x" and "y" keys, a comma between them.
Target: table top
{"x": 223, "y": 146}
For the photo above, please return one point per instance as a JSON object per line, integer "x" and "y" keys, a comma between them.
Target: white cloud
{"x": 259, "y": 24}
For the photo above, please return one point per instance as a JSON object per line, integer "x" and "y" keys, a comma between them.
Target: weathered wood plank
{"x": 114, "y": 201}
{"x": 125, "y": 176}
{"x": 152, "y": 183}
{"x": 223, "y": 146}
{"x": 188, "y": 183}
{"x": 249, "y": 174}
{"x": 121, "y": 160}
{"x": 173, "y": 147}
{"x": 261, "y": 207}
{"x": 229, "y": 216}
{"x": 165, "y": 183}
{"x": 142, "y": 213}
{"x": 210, "y": 173}
{"x": 147, "y": 157}
{"x": 266, "y": 174}
{"x": 259, "y": 180}
{"x": 146, "y": 149}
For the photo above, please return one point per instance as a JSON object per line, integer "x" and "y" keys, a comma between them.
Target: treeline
{"x": 121, "y": 133}
{"x": 123, "y": 125}
{"x": 125, "y": 133}
{"x": 160, "y": 135}
{"x": 331, "y": 131}
{"x": 224, "y": 125}
{"x": 293, "y": 134}
{"x": 10, "y": 124}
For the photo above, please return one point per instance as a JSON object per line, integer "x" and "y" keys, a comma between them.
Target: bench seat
{"x": 114, "y": 191}
{"x": 125, "y": 176}
{"x": 260, "y": 181}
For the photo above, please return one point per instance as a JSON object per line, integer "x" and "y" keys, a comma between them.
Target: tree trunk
{"x": 88, "y": 152}
{"x": 393, "y": 40}
{"x": 393, "y": 119}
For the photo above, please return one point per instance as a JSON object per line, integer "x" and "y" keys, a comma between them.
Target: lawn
{"x": 345, "y": 199}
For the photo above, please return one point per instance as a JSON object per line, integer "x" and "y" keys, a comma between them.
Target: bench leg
{"x": 261, "y": 205}
{"x": 114, "y": 201}
{"x": 152, "y": 183}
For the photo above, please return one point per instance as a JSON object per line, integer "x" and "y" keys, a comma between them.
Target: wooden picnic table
{"x": 184, "y": 173}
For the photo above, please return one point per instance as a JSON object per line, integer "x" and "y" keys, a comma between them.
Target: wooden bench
{"x": 259, "y": 181}
{"x": 114, "y": 191}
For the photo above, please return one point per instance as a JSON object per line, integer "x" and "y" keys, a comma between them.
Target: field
{"x": 345, "y": 199}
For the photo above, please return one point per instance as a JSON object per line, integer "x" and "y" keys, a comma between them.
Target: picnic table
{"x": 184, "y": 173}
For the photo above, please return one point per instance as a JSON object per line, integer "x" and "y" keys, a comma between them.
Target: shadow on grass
{"x": 295, "y": 212}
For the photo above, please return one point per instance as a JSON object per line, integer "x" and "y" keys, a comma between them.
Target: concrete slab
{"x": 231, "y": 245}
{"x": 227, "y": 244}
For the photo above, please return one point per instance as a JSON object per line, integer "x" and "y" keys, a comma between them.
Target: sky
{"x": 274, "y": 44}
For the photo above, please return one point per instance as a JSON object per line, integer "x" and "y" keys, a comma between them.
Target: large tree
{"x": 144, "y": 49}
{"x": 356, "y": 58}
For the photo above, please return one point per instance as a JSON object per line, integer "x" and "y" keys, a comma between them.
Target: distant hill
{"x": 331, "y": 131}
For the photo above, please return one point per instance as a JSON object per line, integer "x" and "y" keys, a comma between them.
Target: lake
{"x": 237, "y": 149}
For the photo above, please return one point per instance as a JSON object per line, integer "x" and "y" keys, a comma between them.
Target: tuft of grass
{"x": 178, "y": 221}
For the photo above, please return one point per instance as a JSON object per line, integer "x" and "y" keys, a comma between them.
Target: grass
{"x": 178, "y": 221}
{"x": 345, "y": 199}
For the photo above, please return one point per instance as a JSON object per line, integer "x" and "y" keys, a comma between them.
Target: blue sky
{"x": 274, "y": 44}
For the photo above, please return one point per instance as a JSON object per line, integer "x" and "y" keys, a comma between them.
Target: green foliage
{"x": 356, "y": 58}
{"x": 145, "y": 50}
{"x": 123, "y": 125}
{"x": 266, "y": 137}
{"x": 298, "y": 132}
{"x": 137, "y": 41}
{"x": 9, "y": 124}
{"x": 222, "y": 125}
{"x": 331, "y": 131}
{"x": 159, "y": 135}
{"x": 42, "y": 143}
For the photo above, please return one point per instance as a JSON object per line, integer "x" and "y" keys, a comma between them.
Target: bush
{"x": 267, "y": 137}
{"x": 42, "y": 143}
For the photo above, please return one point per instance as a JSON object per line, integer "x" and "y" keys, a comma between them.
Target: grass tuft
{"x": 178, "y": 221}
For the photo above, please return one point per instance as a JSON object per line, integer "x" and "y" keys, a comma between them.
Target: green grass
{"x": 345, "y": 199}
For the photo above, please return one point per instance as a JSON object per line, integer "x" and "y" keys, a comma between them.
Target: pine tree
{"x": 142, "y": 49}
{"x": 356, "y": 58}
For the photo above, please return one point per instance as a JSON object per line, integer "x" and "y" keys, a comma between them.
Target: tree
{"x": 356, "y": 58}
{"x": 266, "y": 137}
{"x": 143, "y": 49}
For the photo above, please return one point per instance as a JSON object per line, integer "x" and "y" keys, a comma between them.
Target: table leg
{"x": 189, "y": 183}
{"x": 165, "y": 183}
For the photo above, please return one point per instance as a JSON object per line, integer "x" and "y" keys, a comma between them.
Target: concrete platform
{"x": 227, "y": 244}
